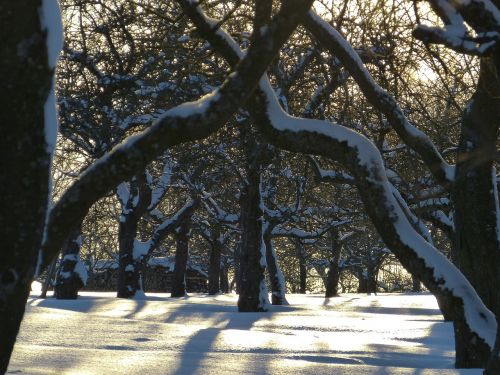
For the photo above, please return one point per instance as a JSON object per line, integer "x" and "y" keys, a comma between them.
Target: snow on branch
{"x": 418, "y": 224}
{"x": 217, "y": 211}
{"x": 448, "y": 36}
{"x": 123, "y": 193}
{"x": 378, "y": 97}
{"x": 482, "y": 16}
{"x": 210, "y": 204}
{"x": 144, "y": 249}
{"x": 86, "y": 61}
{"x": 441, "y": 220}
{"x": 338, "y": 177}
{"x": 162, "y": 184}
{"x": 330, "y": 176}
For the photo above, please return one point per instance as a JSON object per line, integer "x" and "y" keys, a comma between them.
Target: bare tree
{"x": 29, "y": 68}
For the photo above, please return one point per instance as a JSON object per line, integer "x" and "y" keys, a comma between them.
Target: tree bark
{"x": 333, "y": 277}
{"x": 416, "y": 285}
{"x": 236, "y": 283}
{"x": 181, "y": 258}
{"x": 332, "y": 281}
{"x": 253, "y": 291}
{"x": 475, "y": 196}
{"x": 129, "y": 268}
{"x": 24, "y": 160}
{"x": 48, "y": 280}
{"x": 362, "y": 283}
{"x": 493, "y": 366}
{"x": 214, "y": 268}
{"x": 302, "y": 267}
{"x": 224, "y": 280}
{"x": 276, "y": 278}
{"x": 68, "y": 281}
{"x": 372, "y": 280}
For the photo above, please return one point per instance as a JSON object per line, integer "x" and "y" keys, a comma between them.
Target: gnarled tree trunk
{"x": 214, "y": 268}
{"x": 475, "y": 195}
{"x": 415, "y": 284}
{"x": 69, "y": 278}
{"x": 252, "y": 290}
{"x": 224, "y": 280}
{"x": 129, "y": 268}
{"x": 181, "y": 258}
{"x": 301, "y": 256}
{"x": 276, "y": 278}
{"x": 24, "y": 159}
{"x": 333, "y": 276}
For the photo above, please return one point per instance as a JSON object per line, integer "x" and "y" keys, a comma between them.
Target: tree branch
{"x": 187, "y": 122}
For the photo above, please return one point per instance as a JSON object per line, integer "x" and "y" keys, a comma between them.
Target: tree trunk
{"x": 24, "y": 160}
{"x": 278, "y": 287}
{"x": 50, "y": 276}
{"x": 128, "y": 268}
{"x": 302, "y": 267}
{"x": 469, "y": 353}
{"x": 475, "y": 194}
{"x": 181, "y": 258}
{"x": 69, "y": 281}
{"x": 362, "y": 283}
{"x": 253, "y": 291}
{"x": 214, "y": 269}
{"x": 416, "y": 285}
{"x": 332, "y": 280}
{"x": 224, "y": 280}
{"x": 333, "y": 277}
{"x": 475, "y": 197}
{"x": 493, "y": 366}
{"x": 303, "y": 277}
{"x": 372, "y": 280}
{"x": 236, "y": 283}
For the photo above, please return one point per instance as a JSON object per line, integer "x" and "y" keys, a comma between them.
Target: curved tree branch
{"x": 380, "y": 99}
{"x": 187, "y": 122}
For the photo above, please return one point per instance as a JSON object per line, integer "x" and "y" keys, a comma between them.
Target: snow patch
{"x": 129, "y": 268}
{"x": 81, "y": 271}
{"x": 50, "y": 20}
{"x": 141, "y": 249}
{"x": 198, "y": 107}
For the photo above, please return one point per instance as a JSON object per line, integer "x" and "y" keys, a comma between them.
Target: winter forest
{"x": 283, "y": 165}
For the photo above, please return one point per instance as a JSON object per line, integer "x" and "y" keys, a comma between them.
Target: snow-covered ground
{"x": 353, "y": 334}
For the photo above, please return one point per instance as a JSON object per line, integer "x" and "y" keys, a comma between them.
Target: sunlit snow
{"x": 352, "y": 334}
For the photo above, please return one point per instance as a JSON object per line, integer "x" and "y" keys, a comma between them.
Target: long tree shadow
{"x": 86, "y": 304}
{"x": 397, "y": 310}
{"x": 223, "y": 318}
{"x": 436, "y": 354}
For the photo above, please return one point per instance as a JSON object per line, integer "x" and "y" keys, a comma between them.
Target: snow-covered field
{"x": 353, "y": 334}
